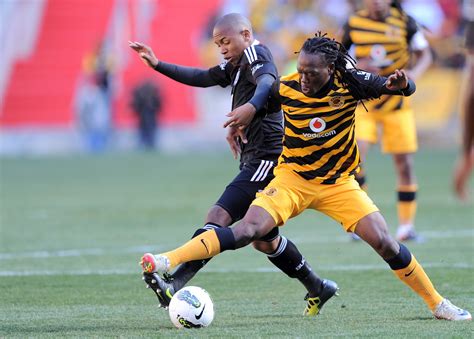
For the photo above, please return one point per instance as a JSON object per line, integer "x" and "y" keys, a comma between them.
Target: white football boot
{"x": 405, "y": 233}
{"x": 155, "y": 263}
{"x": 447, "y": 311}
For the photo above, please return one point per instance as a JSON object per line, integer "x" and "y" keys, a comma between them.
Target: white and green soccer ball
{"x": 191, "y": 307}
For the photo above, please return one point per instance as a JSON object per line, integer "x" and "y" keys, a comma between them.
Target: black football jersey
{"x": 265, "y": 132}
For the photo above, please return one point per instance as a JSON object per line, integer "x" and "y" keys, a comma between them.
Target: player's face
{"x": 231, "y": 43}
{"x": 314, "y": 72}
{"x": 378, "y": 9}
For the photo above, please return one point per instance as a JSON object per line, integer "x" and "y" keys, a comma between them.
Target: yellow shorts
{"x": 288, "y": 194}
{"x": 398, "y": 129}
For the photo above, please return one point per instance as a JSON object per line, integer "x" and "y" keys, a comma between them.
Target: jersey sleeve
{"x": 260, "y": 60}
{"x": 274, "y": 101}
{"x": 372, "y": 86}
{"x": 221, "y": 74}
{"x": 275, "y": 90}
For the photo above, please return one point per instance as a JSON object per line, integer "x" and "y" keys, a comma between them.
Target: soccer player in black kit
{"x": 249, "y": 69}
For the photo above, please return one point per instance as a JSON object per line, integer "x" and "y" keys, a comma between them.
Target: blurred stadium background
{"x": 51, "y": 49}
{"x": 73, "y": 224}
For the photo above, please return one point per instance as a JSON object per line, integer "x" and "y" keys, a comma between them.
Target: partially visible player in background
{"x": 465, "y": 164}
{"x": 385, "y": 38}
{"x": 249, "y": 69}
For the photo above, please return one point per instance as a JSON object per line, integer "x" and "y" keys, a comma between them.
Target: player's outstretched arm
{"x": 186, "y": 75}
{"x": 366, "y": 85}
{"x": 145, "y": 52}
{"x": 397, "y": 83}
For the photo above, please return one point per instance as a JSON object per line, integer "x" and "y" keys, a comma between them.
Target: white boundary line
{"x": 226, "y": 270}
{"x": 460, "y": 233}
{"x": 79, "y": 252}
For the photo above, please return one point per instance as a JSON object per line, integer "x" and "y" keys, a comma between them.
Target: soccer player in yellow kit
{"x": 384, "y": 38}
{"x": 316, "y": 170}
{"x": 249, "y": 70}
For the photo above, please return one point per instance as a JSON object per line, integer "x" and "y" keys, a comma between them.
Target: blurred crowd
{"x": 283, "y": 25}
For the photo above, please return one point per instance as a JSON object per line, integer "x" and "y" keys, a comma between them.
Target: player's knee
{"x": 266, "y": 246}
{"x": 385, "y": 245}
{"x": 245, "y": 232}
{"x": 250, "y": 232}
{"x": 218, "y": 215}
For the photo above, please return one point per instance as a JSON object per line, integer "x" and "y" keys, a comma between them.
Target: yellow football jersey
{"x": 319, "y": 141}
{"x": 386, "y": 43}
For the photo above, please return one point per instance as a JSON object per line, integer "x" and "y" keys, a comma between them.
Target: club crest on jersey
{"x": 271, "y": 191}
{"x": 336, "y": 102}
{"x": 317, "y": 125}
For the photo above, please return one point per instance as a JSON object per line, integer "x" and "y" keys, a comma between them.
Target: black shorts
{"x": 240, "y": 193}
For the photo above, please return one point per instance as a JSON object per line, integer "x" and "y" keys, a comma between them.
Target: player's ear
{"x": 246, "y": 34}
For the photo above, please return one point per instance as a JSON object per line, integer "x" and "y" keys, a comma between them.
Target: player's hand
{"x": 396, "y": 81}
{"x": 241, "y": 116}
{"x": 233, "y": 136}
{"x": 145, "y": 53}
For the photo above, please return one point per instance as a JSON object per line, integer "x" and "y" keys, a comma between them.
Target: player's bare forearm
{"x": 462, "y": 172}
{"x": 424, "y": 60}
{"x": 468, "y": 107}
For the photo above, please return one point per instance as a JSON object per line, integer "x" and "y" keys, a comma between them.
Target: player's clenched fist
{"x": 145, "y": 53}
{"x": 398, "y": 80}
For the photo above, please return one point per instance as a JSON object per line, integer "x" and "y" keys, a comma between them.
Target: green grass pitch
{"x": 73, "y": 229}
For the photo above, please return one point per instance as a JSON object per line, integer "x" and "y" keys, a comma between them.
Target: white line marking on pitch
{"x": 225, "y": 270}
{"x": 79, "y": 252}
{"x": 461, "y": 233}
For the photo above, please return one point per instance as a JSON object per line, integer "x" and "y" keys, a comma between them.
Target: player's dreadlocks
{"x": 335, "y": 53}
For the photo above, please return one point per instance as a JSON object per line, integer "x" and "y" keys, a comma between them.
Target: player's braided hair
{"x": 335, "y": 53}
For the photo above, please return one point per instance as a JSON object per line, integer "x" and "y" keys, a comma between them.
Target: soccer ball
{"x": 191, "y": 307}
